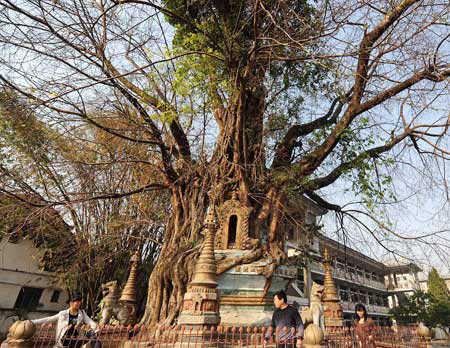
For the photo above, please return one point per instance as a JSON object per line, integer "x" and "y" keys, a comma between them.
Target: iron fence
{"x": 382, "y": 337}
{"x": 140, "y": 336}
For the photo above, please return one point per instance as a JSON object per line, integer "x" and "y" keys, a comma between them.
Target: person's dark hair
{"x": 74, "y": 296}
{"x": 360, "y": 306}
{"x": 281, "y": 295}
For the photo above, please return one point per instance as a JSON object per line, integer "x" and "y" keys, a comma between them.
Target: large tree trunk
{"x": 169, "y": 278}
{"x": 236, "y": 165}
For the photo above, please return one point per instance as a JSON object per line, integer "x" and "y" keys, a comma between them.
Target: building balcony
{"x": 405, "y": 289}
{"x": 371, "y": 309}
{"x": 340, "y": 274}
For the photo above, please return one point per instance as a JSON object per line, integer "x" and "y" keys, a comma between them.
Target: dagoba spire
{"x": 201, "y": 301}
{"x": 329, "y": 291}
{"x": 129, "y": 291}
{"x": 331, "y": 302}
{"x": 206, "y": 267}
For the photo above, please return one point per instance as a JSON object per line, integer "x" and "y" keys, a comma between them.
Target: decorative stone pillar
{"x": 423, "y": 330}
{"x": 128, "y": 297}
{"x": 307, "y": 282}
{"x": 20, "y": 334}
{"x": 201, "y": 301}
{"x": 331, "y": 302}
{"x": 313, "y": 336}
{"x": 425, "y": 334}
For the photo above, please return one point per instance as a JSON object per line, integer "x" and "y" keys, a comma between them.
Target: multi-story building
{"x": 402, "y": 280}
{"x": 358, "y": 278}
{"x": 28, "y": 289}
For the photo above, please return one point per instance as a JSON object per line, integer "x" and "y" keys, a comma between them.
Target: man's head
{"x": 75, "y": 301}
{"x": 280, "y": 299}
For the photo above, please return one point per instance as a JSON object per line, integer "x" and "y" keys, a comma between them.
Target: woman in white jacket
{"x": 66, "y": 324}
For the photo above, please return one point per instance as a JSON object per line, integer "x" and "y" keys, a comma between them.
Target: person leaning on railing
{"x": 286, "y": 323}
{"x": 67, "y": 323}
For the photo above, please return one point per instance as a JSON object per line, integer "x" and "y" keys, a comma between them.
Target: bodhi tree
{"x": 269, "y": 99}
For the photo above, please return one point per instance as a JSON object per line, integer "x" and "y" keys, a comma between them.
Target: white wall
{"x": 19, "y": 267}
{"x": 20, "y": 256}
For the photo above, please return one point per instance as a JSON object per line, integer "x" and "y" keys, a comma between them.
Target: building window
{"x": 343, "y": 293}
{"x": 232, "y": 229}
{"x": 354, "y": 296}
{"x": 378, "y": 301}
{"x": 55, "y": 296}
{"x": 363, "y": 298}
{"x": 28, "y": 298}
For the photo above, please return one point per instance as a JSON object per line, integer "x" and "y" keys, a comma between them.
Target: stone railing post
{"x": 20, "y": 334}
{"x": 313, "y": 336}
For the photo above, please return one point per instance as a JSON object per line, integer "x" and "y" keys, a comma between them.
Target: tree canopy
{"x": 437, "y": 288}
{"x": 439, "y": 311}
{"x": 414, "y": 310}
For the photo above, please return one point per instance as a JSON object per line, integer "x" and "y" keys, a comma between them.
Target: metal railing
{"x": 350, "y": 306}
{"x": 382, "y": 337}
{"x": 219, "y": 337}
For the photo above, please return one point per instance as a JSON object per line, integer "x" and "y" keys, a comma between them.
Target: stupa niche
{"x": 233, "y": 232}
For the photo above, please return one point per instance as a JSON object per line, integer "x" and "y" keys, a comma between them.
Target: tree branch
{"x": 346, "y": 166}
{"x": 176, "y": 130}
{"x": 322, "y": 202}
{"x": 285, "y": 148}
{"x": 313, "y": 159}
{"x": 80, "y": 114}
{"x": 47, "y": 203}
{"x": 367, "y": 45}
